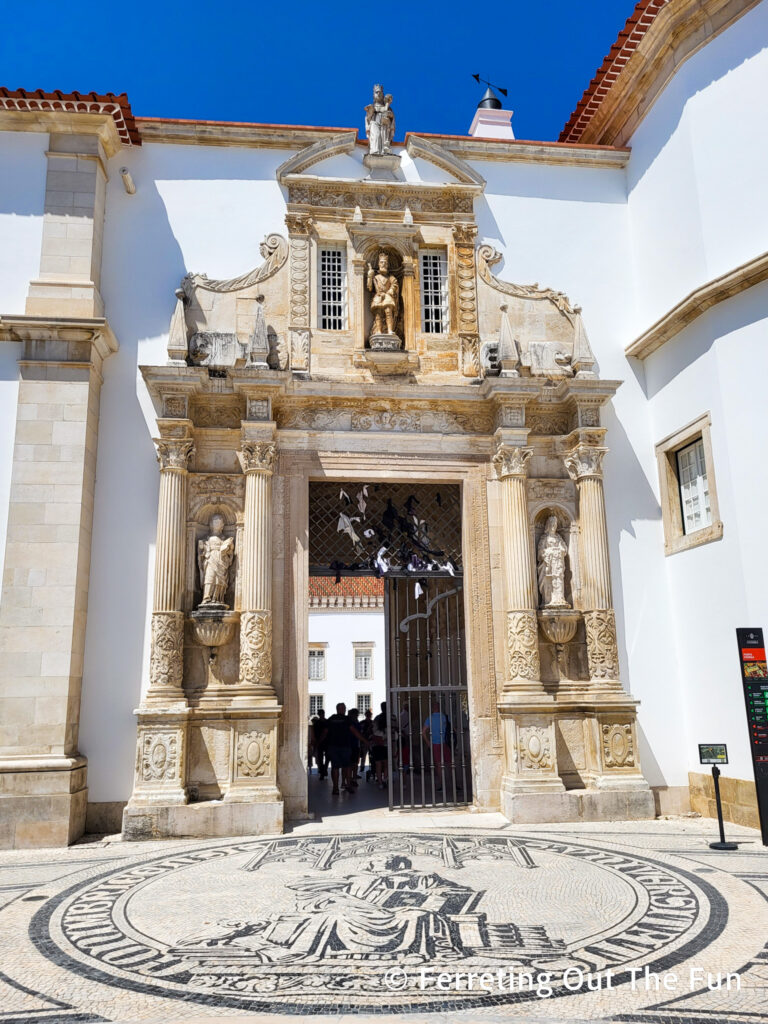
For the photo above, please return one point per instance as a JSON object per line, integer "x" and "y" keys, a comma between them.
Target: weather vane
{"x": 490, "y": 85}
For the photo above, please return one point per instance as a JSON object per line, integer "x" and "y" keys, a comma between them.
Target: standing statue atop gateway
{"x": 380, "y": 123}
{"x": 552, "y": 551}
{"x": 384, "y": 304}
{"x": 214, "y": 557}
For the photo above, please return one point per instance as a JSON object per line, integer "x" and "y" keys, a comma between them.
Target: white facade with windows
{"x": 353, "y": 654}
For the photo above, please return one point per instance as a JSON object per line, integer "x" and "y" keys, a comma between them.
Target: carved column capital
{"x": 510, "y": 461}
{"x": 297, "y": 223}
{"x": 465, "y": 234}
{"x": 173, "y": 454}
{"x": 584, "y": 460}
{"x": 258, "y": 456}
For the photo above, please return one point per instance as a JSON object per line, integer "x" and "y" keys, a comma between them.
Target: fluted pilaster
{"x": 584, "y": 464}
{"x": 167, "y": 617}
{"x": 257, "y": 459}
{"x": 511, "y": 464}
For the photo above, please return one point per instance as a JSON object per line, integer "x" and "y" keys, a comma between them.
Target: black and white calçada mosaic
{"x": 317, "y": 924}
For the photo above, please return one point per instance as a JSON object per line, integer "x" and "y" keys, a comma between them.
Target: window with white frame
{"x": 332, "y": 290}
{"x": 689, "y": 507}
{"x": 434, "y": 292}
{"x": 316, "y": 663}
{"x": 363, "y": 663}
{"x": 363, "y": 702}
{"x": 694, "y": 488}
{"x": 316, "y": 703}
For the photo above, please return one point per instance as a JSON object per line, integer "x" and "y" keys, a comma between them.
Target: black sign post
{"x": 754, "y": 677}
{"x": 715, "y": 754}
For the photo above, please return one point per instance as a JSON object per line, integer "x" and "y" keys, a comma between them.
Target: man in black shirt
{"x": 319, "y": 727}
{"x": 339, "y": 737}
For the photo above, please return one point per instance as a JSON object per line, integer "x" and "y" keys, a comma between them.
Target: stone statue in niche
{"x": 551, "y": 556}
{"x": 384, "y": 304}
{"x": 380, "y": 123}
{"x": 214, "y": 558}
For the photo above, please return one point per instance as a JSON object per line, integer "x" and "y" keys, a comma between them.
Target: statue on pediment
{"x": 380, "y": 123}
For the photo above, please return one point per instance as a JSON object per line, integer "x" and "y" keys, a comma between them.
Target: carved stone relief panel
{"x": 522, "y": 646}
{"x": 618, "y": 745}
{"x": 166, "y": 664}
{"x": 535, "y": 745}
{"x": 159, "y": 756}
{"x": 602, "y": 650}
{"x": 255, "y": 755}
{"x": 256, "y": 647}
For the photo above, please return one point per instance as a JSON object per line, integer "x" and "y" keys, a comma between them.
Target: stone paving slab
{"x": 455, "y": 917}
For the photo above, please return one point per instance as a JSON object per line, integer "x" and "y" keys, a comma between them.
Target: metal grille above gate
{"x": 429, "y": 751}
{"x": 401, "y": 517}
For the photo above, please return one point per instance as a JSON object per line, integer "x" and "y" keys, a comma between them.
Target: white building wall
{"x": 697, "y": 209}
{"x": 341, "y": 630}
{"x": 23, "y": 169}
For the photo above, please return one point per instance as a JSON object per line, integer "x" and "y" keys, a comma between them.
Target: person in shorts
{"x": 436, "y": 732}
{"x": 379, "y": 745}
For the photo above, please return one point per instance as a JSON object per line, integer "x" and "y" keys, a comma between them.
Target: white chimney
{"x": 490, "y": 120}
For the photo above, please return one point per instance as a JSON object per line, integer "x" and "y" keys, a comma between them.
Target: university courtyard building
{"x": 509, "y": 395}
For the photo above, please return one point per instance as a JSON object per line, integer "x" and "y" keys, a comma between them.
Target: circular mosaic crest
{"x": 371, "y": 922}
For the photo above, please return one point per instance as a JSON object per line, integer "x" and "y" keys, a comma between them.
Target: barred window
{"x": 317, "y": 664}
{"x": 333, "y": 289}
{"x": 363, "y": 702}
{"x": 434, "y": 292}
{"x": 316, "y": 703}
{"x": 363, "y": 663}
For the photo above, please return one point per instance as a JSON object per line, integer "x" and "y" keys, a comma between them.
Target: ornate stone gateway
{"x": 376, "y": 344}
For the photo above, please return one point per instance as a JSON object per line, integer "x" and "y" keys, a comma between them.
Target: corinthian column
{"x": 166, "y": 660}
{"x": 584, "y": 464}
{"x": 511, "y": 464}
{"x": 257, "y": 459}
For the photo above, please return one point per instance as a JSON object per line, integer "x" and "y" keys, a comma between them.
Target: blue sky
{"x": 315, "y": 63}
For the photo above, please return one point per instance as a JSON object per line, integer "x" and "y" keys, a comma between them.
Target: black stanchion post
{"x": 722, "y": 845}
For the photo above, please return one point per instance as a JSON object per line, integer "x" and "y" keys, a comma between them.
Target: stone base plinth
{"x": 401, "y": 362}
{"x": 42, "y": 801}
{"x": 382, "y": 166}
{"x": 210, "y": 819}
{"x": 578, "y": 805}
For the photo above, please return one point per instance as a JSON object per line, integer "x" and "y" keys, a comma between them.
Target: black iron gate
{"x": 427, "y": 704}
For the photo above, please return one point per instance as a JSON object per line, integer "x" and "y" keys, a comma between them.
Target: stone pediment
{"x": 316, "y": 177}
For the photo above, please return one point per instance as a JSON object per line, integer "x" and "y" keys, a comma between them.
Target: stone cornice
{"x": 66, "y": 122}
{"x": 528, "y": 151}
{"x": 698, "y": 302}
{"x": 678, "y": 31}
{"x": 233, "y": 133}
{"x": 73, "y": 332}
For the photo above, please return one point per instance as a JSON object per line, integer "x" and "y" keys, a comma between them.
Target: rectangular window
{"x": 694, "y": 488}
{"x": 434, "y": 292}
{"x": 689, "y": 508}
{"x": 316, "y": 664}
{"x": 363, "y": 663}
{"x": 363, "y": 702}
{"x": 315, "y": 703}
{"x": 333, "y": 289}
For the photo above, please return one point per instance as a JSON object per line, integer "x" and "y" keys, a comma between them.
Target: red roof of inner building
{"x": 78, "y": 103}
{"x": 638, "y": 23}
{"x": 348, "y": 586}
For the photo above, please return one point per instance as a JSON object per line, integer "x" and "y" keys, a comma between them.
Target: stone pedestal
{"x": 382, "y": 166}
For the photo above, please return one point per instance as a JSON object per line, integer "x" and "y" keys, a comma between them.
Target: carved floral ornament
{"x": 602, "y": 650}
{"x": 256, "y": 647}
{"x": 585, "y": 460}
{"x": 511, "y": 461}
{"x": 522, "y": 646}
{"x": 258, "y": 456}
{"x": 167, "y": 650}
{"x": 174, "y": 454}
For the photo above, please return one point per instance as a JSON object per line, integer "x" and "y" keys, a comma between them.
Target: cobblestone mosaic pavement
{"x": 430, "y": 918}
